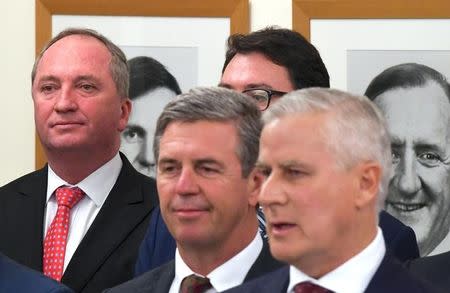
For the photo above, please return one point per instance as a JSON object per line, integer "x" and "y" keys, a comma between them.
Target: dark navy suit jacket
{"x": 158, "y": 246}
{"x": 160, "y": 279}
{"x": 434, "y": 269}
{"x": 19, "y": 279}
{"x": 391, "y": 277}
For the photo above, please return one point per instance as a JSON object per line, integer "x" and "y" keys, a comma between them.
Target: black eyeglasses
{"x": 262, "y": 96}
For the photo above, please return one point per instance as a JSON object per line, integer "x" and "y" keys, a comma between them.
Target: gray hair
{"x": 357, "y": 132}
{"x": 216, "y": 104}
{"x": 118, "y": 65}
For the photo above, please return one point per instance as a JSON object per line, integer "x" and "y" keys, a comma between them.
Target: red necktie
{"x": 195, "y": 284}
{"x": 55, "y": 240}
{"x": 308, "y": 287}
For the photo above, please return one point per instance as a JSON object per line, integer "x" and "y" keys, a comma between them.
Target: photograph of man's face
{"x": 137, "y": 138}
{"x": 419, "y": 190}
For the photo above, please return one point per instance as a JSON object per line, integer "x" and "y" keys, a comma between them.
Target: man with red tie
{"x": 79, "y": 219}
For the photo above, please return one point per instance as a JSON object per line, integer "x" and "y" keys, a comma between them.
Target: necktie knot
{"x": 308, "y": 287}
{"x": 195, "y": 284}
{"x": 68, "y": 196}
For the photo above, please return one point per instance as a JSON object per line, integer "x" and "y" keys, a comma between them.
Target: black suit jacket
{"x": 400, "y": 239}
{"x": 19, "y": 279}
{"x": 106, "y": 255}
{"x": 160, "y": 279}
{"x": 391, "y": 277}
{"x": 434, "y": 269}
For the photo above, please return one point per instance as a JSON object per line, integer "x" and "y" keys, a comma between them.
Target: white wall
{"x": 17, "y": 27}
{"x": 16, "y": 111}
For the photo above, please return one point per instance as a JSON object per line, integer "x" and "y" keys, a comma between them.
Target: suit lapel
{"x": 161, "y": 278}
{"x": 122, "y": 211}
{"x": 30, "y": 201}
{"x": 265, "y": 263}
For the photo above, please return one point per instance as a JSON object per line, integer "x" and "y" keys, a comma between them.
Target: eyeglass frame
{"x": 269, "y": 92}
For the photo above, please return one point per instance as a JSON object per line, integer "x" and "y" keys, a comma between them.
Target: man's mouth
{"x": 406, "y": 207}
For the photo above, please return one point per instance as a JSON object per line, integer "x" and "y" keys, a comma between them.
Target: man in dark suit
{"x": 321, "y": 196}
{"x": 206, "y": 145}
{"x": 265, "y": 65}
{"x": 19, "y": 279}
{"x": 81, "y": 218}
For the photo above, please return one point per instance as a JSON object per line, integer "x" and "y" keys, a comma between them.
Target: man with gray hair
{"x": 324, "y": 184}
{"x": 79, "y": 219}
{"x": 206, "y": 144}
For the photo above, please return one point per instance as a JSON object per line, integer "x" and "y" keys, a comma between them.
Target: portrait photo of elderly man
{"x": 415, "y": 101}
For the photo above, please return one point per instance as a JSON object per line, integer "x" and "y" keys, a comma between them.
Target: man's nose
{"x": 406, "y": 176}
{"x": 65, "y": 101}
{"x": 272, "y": 191}
{"x": 186, "y": 182}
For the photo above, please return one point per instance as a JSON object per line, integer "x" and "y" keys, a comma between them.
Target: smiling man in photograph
{"x": 415, "y": 101}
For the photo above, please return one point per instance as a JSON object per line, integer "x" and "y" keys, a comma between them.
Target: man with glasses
{"x": 265, "y": 65}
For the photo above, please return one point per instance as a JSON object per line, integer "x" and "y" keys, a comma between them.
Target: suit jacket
{"x": 107, "y": 253}
{"x": 400, "y": 239}
{"x": 433, "y": 269}
{"x": 390, "y": 277}
{"x": 160, "y": 279}
{"x": 158, "y": 246}
{"x": 19, "y": 279}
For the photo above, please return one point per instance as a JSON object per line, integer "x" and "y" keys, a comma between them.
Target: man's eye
{"x": 48, "y": 88}
{"x": 132, "y": 136}
{"x": 167, "y": 169}
{"x": 290, "y": 172}
{"x": 265, "y": 172}
{"x": 207, "y": 170}
{"x": 395, "y": 157}
{"x": 429, "y": 158}
{"x": 87, "y": 87}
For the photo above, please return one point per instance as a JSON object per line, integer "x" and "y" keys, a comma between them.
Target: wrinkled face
{"x": 137, "y": 139}
{"x": 76, "y": 104}
{"x": 307, "y": 199}
{"x": 254, "y": 70}
{"x": 204, "y": 199}
{"x": 419, "y": 189}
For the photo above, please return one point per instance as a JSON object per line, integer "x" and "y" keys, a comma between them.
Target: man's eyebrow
{"x": 136, "y": 128}
{"x": 45, "y": 78}
{"x": 260, "y": 165}
{"x": 87, "y": 77}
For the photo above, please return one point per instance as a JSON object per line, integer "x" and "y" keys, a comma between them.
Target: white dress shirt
{"x": 353, "y": 276}
{"x": 230, "y": 274}
{"x": 96, "y": 187}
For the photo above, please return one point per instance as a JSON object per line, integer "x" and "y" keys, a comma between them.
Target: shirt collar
{"x": 360, "y": 269}
{"x": 96, "y": 186}
{"x": 231, "y": 273}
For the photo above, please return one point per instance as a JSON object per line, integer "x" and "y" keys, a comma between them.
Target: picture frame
{"x": 336, "y": 26}
{"x": 363, "y": 39}
{"x": 237, "y": 11}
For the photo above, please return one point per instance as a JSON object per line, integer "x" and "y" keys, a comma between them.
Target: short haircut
{"x": 355, "y": 133}
{"x": 117, "y": 66}
{"x": 147, "y": 74}
{"x": 405, "y": 75}
{"x": 220, "y": 105}
{"x": 286, "y": 48}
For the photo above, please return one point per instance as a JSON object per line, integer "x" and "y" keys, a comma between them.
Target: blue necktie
{"x": 261, "y": 222}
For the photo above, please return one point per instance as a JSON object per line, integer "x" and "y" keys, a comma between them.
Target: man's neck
{"x": 73, "y": 167}
{"x": 204, "y": 259}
